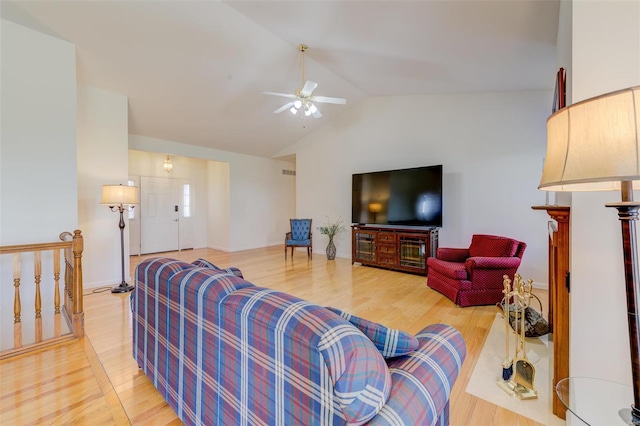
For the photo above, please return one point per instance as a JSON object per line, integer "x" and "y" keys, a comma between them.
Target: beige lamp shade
{"x": 114, "y": 195}
{"x": 593, "y": 145}
{"x": 375, "y": 207}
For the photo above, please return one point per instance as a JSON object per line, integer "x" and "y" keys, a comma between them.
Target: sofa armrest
{"x": 452, "y": 254}
{"x": 480, "y": 262}
{"x": 423, "y": 379}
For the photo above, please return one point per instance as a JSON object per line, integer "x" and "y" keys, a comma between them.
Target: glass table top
{"x": 595, "y": 401}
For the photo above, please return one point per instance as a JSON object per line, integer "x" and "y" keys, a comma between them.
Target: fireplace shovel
{"x": 518, "y": 374}
{"x": 523, "y": 371}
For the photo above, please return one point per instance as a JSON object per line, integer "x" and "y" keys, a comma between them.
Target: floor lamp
{"x": 594, "y": 145}
{"x": 120, "y": 198}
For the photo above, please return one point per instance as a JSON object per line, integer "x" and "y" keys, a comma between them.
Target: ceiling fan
{"x": 303, "y": 98}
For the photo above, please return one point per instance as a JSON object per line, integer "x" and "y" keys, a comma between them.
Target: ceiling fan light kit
{"x": 303, "y": 97}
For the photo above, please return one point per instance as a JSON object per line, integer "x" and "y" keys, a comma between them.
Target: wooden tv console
{"x": 398, "y": 248}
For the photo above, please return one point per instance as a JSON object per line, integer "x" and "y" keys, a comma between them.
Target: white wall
{"x": 38, "y": 137}
{"x": 38, "y": 172}
{"x": 491, "y": 147}
{"x": 261, "y": 198}
{"x": 102, "y": 160}
{"x": 262, "y": 201}
{"x": 606, "y": 57}
{"x": 218, "y": 205}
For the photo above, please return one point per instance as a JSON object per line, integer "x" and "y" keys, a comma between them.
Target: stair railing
{"x": 71, "y": 247}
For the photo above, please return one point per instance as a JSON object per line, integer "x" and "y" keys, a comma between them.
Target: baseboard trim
{"x": 541, "y": 286}
{"x": 108, "y": 283}
{"x": 233, "y": 250}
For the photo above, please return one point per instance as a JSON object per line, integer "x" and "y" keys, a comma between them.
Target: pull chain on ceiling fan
{"x": 303, "y": 97}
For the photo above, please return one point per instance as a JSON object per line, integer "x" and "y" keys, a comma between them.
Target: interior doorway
{"x": 164, "y": 215}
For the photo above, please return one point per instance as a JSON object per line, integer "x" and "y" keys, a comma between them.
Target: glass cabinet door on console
{"x": 364, "y": 246}
{"x": 413, "y": 252}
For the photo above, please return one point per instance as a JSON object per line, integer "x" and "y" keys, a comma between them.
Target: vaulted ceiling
{"x": 193, "y": 71}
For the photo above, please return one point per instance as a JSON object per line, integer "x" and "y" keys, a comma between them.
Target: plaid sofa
{"x": 223, "y": 351}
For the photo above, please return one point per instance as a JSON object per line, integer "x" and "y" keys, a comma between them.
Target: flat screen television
{"x": 406, "y": 197}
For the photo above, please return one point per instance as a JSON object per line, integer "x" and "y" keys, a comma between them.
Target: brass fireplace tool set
{"x": 517, "y": 372}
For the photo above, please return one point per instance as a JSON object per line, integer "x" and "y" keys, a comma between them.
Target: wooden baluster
{"x": 68, "y": 283}
{"x": 71, "y": 291}
{"x": 17, "y": 324}
{"x": 67, "y": 275}
{"x": 37, "y": 270}
{"x": 57, "y": 325}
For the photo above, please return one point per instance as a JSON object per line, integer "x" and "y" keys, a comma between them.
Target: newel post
{"x": 78, "y": 314}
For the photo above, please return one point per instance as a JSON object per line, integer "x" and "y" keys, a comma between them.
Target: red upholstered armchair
{"x": 474, "y": 276}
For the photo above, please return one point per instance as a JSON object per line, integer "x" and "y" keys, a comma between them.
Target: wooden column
{"x": 559, "y": 297}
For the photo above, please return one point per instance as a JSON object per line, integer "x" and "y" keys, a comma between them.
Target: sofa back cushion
{"x": 492, "y": 246}
{"x": 389, "y": 341}
{"x": 156, "y": 270}
{"x": 204, "y": 263}
{"x": 288, "y": 361}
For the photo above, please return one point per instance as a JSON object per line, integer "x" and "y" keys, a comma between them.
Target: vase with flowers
{"x": 331, "y": 229}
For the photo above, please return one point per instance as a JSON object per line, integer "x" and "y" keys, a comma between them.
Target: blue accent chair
{"x": 299, "y": 236}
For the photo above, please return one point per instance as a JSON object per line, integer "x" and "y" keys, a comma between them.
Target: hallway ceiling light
{"x": 168, "y": 165}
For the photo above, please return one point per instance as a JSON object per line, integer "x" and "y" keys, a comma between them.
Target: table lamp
{"x": 375, "y": 208}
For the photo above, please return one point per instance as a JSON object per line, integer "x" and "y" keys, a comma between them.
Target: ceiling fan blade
{"x": 284, "y": 95}
{"x": 308, "y": 88}
{"x": 316, "y": 114}
{"x": 283, "y": 107}
{"x": 329, "y": 100}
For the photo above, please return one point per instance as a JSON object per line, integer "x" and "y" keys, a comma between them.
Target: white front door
{"x": 159, "y": 215}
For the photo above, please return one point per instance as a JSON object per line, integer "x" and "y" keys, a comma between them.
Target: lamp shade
{"x": 375, "y": 207}
{"x": 114, "y": 195}
{"x": 593, "y": 145}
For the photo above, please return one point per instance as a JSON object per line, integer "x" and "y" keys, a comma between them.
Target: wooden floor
{"x": 96, "y": 381}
